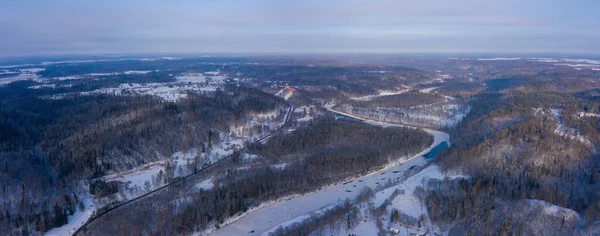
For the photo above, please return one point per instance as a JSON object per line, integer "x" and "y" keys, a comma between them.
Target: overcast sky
{"x": 36, "y": 27}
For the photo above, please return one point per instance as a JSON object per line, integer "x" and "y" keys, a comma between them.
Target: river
{"x": 271, "y": 215}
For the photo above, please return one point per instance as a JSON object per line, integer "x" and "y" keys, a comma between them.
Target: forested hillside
{"x": 517, "y": 147}
{"x": 50, "y": 148}
{"x": 324, "y": 152}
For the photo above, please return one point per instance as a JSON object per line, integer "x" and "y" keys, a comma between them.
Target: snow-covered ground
{"x": 304, "y": 119}
{"x": 30, "y": 74}
{"x": 440, "y": 114}
{"x": 551, "y": 209}
{"x": 563, "y": 130}
{"x": 406, "y": 203}
{"x": 499, "y": 59}
{"x": 206, "y": 184}
{"x": 428, "y": 90}
{"x": 171, "y": 91}
{"x": 165, "y": 91}
{"x": 20, "y": 75}
{"x": 137, "y": 176}
{"x": 270, "y": 215}
{"x": 298, "y": 219}
{"x": 76, "y": 220}
{"x": 136, "y": 180}
{"x": 576, "y": 63}
{"x": 380, "y": 94}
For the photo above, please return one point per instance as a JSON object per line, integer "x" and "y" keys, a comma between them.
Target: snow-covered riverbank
{"x": 266, "y": 218}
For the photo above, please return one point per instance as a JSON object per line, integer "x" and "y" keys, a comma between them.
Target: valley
{"x": 251, "y": 145}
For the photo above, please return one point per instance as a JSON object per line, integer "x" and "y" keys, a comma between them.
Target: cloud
{"x": 113, "y": 26}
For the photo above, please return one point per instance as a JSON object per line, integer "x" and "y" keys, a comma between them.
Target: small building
{"x": 288, "y": 89}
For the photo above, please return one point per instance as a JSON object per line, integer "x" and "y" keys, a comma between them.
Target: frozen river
{"x": 268, "y": 217}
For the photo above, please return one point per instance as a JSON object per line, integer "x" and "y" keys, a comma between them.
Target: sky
{"x": 60, "y": 27}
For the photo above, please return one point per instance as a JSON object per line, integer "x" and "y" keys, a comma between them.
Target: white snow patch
{"x": 15, "y": 66}
{"x": 137, "y": 72}
{"x": 544, "y": 59}
{"x": 428, "y": 90}
{"x": 206, "y": 184}
{"x": 137, "y": 176}
{"x": 380, "y": 94}
{"x": 193, "y": 78}
{"x": 32, "y": 70}
{"x": 76, "y": 220}
{"x": 20, "y": 77}
{"x": 563, "y": 130}
{"x": 212, "y": 73}
{"x": 298, "y": 219}
{"x": 304, "y": 119}
{"x": 366, "y": 228}
{"x": 499, "y": 59}
{"x": 555, "y": 210}
{"x": 39, "y": 86}
{"x": 587, "y": 61}
{"x": 577, "y": 65}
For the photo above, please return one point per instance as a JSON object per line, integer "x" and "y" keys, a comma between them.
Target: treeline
{"x": 318, "y": 95}
{"x": 357, "y": 80}
{"x": 325, "y": 152}
{"x": 89, "y": 83}
{"x": 330, "y": 134}
{"x": 204, "y": 64}
{"x": 461, "y": 90}
{"x": 470, "y": 207}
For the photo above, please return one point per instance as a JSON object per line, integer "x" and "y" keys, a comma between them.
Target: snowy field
{"x": 164, "y": 91}
{"x": 577, "y": 64}
{"x": 30, "y": 74}
{"x": 21, "y": 75}
{"x": 268, "y": 216}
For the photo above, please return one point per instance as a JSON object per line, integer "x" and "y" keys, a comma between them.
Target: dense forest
{"x": 51, "y": 147}
{"x": 324, "y": 152}
{"x": 512, "y": 149}
{"x": 516, "y": 130}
